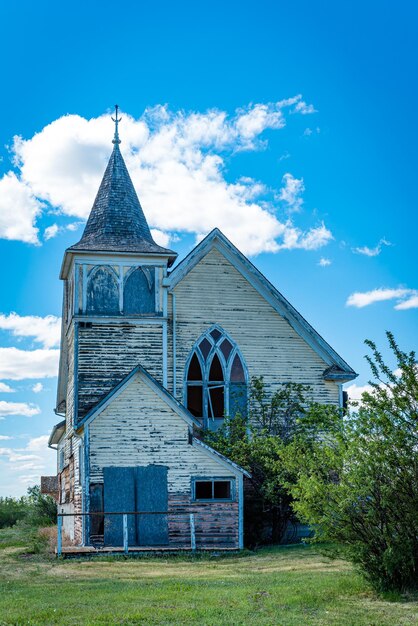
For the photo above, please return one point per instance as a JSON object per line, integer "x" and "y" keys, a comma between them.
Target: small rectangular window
{"x": 222, "y": 490}
{"x": 212, "y": 490}
{"x": 203, "y": 490}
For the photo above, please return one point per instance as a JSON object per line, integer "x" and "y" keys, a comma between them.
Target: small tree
{"x": 255, "y": 443}
{"x": 42, "y": 509}
{"x": 358, "y": 483}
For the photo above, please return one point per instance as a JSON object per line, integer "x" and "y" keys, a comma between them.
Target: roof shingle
{"x": 117, "y": 222}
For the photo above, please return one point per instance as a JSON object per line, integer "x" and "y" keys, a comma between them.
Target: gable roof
{"x": 169, "y": 399}
{"x": 117, "y": 222}
{"x": 338, "y": 369}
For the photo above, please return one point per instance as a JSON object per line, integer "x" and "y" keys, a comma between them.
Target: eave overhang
{"x": 71, "y": 253}
{"x": 335, "y": 374}
{"x": 57, "y": 434}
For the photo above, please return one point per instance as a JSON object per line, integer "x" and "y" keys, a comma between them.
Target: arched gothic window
{"x": 139, "y": 291}
{"x": 102, "y": 292}
{"x": 216, "y": 379}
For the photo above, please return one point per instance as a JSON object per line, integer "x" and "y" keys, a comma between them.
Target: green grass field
{"x": 289, "y": 586}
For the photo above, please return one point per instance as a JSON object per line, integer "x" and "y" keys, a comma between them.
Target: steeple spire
{"x": 117, "y": 222}
{"x": 116, "y": 119}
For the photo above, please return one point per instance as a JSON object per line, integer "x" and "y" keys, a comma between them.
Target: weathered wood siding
{"x": 70, "y": 492}
{"x": 214, "y": 292}
{"x": 139, "y": 428}
{"x": 70, "y": 401}
{"x": 107, "y": 352}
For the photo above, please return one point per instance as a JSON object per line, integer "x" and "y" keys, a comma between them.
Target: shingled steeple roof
{"x": 117, "y": 222}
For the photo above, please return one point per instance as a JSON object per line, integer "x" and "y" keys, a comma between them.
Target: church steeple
{"x": 117, "y": 222}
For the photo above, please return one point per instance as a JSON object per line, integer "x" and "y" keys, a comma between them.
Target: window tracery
{"x": 216, "y": 379}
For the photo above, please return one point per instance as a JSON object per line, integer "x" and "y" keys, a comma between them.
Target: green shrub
{"x": 11, "y": 511}
{"x": 359, "y": 484}
{"x": 36, "y": 509}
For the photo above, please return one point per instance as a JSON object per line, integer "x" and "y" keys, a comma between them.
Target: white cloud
{"x": 6, "y": 388}
{"x": 291, "y": 192}
{"x": 408, "y": 298}
{"x": 18, "y": 408}
{"x": 24, "y": 466}
{"x": 163, "y": 239}
{"x": 177, "y": 163}
{"x": 18, "y": 210}
{"x": 37, "y": 387}
{"x": 18, "y": 364}
{"x": 366, "y": 251}
{"x": 44, "y": 330}
{"x": 74, "y": 226}
{"x": 409, "y": 303}
{"x": 313, "y": 239}
{"x": 356, "y": 391}
{"x": 305, "y": 109}
{"x": 323, "y": 262}
{"x": 51, "y": 231}
{"x": 38, "y": 444}
{"x": 5, "y": 438}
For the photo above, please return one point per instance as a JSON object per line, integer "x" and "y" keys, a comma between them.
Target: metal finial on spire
{"x": 116, "y": 119}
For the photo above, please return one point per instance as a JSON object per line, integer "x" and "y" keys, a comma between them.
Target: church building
{"x": 153, "y": 350}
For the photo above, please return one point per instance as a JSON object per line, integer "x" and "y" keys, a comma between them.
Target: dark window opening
{"x": 203, "y": 490}
{"x": 195, "y": 371}
{"x": 195, "y": 400}
{"x": 226, "y": 348}
{"x": 216, "y": 380}
{"x": 215, "y": 334}
{"x": 205, "y": 347}
{"x": 96, "y": 506}
{"x": 216, "y": 372}
{"x": 212, "y": 490}
{"x": 221, "y": 489}
{"x": 237, "y": 371}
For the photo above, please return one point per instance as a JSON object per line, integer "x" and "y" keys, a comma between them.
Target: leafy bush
{"x": 11, "y": 511}
{"x": 35, "y": 509}
{"x": 358, "y": 483}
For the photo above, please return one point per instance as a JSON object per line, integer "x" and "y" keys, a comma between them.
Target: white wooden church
{"x": 152, "y": 350}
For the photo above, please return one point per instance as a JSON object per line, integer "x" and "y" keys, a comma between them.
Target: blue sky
{"x": 290, "y": 125}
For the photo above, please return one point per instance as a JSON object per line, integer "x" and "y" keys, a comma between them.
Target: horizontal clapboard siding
{"x": 215, "y": 292}
{"x": 107, "y": 352}
{"x": 138, "y": 429}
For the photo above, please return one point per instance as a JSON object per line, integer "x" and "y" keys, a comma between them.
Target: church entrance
{"x": 136, "y": 489}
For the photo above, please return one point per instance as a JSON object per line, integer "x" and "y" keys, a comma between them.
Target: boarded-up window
{"x": 139, "y": 292}
{"x": 102, "y": 292}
